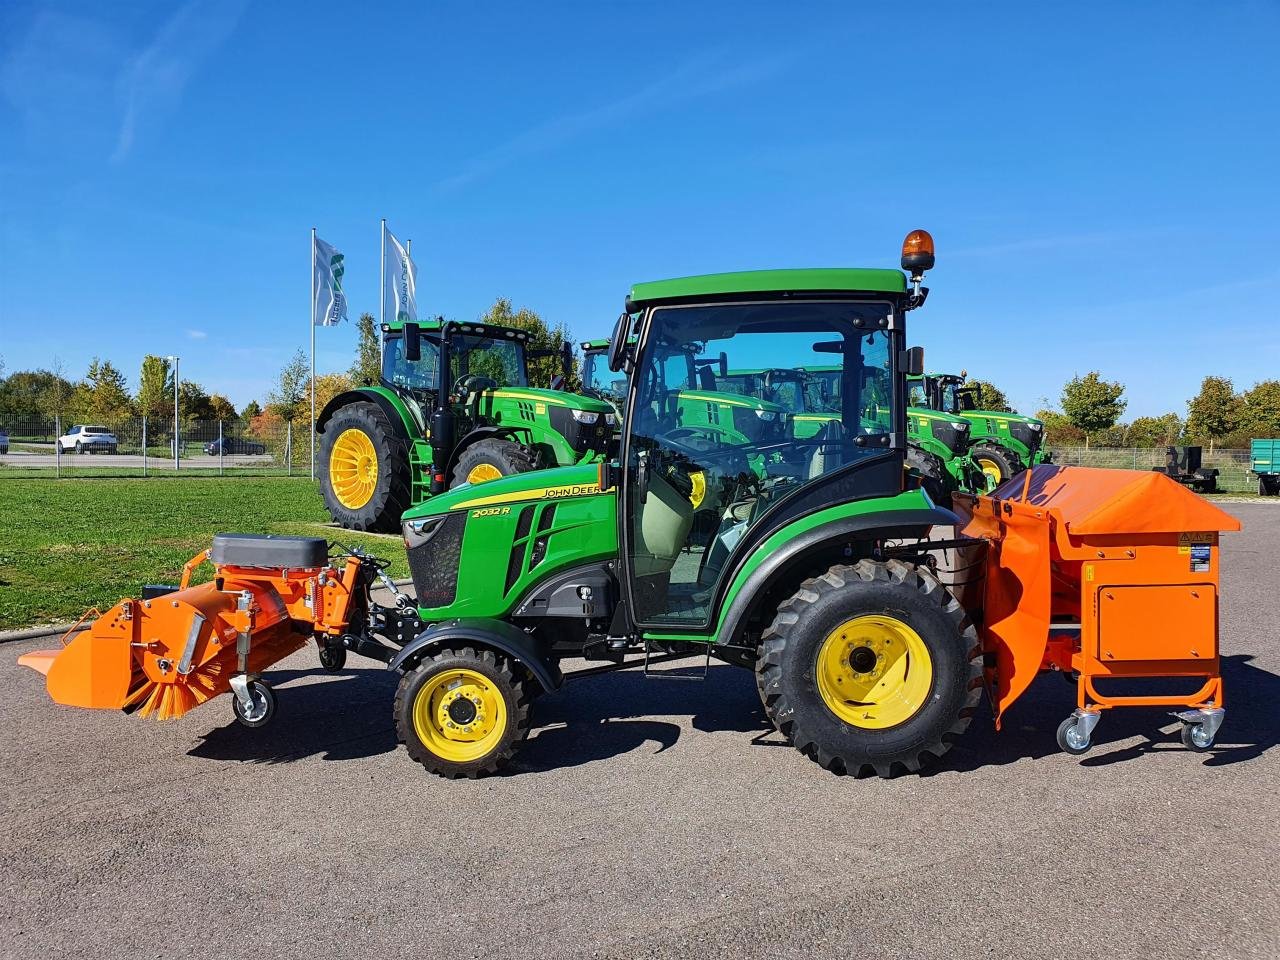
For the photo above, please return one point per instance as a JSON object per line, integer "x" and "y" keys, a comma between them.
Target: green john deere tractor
{"x": 1003, "y": 443}
{"x": 416, "y": 433}
{"x": 938, "y": 444}
{"x": 818, "y": 580}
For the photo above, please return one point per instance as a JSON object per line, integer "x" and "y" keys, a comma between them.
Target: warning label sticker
{"x": 1200, "y": 554}
{"x": 1195, "y": 537}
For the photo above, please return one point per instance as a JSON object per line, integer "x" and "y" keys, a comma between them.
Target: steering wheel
{"x": 470, "y": 383}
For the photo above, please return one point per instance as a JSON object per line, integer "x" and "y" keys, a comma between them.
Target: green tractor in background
{"x": 1003, "y": 443}
{"x": 938, "y": 443}
{"x": 451, "y": 407}
{"x": 818, "y": 579}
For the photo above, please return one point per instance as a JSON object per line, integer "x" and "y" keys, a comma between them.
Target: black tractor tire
{"x": 998, "y": 457}
{"x": 393, "y": 490}
{"x": 504, "y": 456}
{"x": 787, "y": 668}
{"x": 1268, "y": 486}
{"x": 933, "y": 474}
{"x": 515, "y": 687}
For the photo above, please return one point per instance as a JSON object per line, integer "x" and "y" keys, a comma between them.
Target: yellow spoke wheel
{"x": 353, "y": 468}
{"x": 874, "y": 672}
{"x": 698, "y": 480}
{"x": 482, "y": 472}
{"x": 991, "y": 469}
{"x": 459, "y": 715}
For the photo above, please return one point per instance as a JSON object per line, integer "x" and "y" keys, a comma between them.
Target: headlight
{"x": 610, "y": 420}
{"x": 962, "y": 427}
{"x": 420, "y": 531}
{"x": 768, "y": 416}
{"x": 585, "y": 416}
{"x": 1037, "y": 427}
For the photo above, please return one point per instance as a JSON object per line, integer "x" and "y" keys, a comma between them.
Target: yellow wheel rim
{"x": 699, "y": 491}
{"x": 482, "y": 472}
{"x": 991, "y": 469}
{"x": 874, "y": 672}
{"x": 353, "y": 468}
{"x": 459, "y": 715}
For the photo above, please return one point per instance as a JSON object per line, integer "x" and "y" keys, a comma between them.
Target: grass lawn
{"x": 67, "y": 545}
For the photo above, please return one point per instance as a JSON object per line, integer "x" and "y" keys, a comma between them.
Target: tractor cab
{"x": 598, "y": 380}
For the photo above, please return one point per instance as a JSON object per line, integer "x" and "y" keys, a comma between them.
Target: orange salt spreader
{"x": 1105, "y": 575}
{"x": 179, "y": 646}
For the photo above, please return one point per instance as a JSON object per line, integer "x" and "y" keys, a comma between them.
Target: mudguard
{"x": 395, "y": 410}
{"x": 494, "y": 634}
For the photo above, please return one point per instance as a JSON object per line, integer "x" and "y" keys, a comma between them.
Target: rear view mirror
{"x": 412, "y": 342}
{"x": 913, "y": 361}
{"x": 618, "y": 343}
{"x": 724, "y": 364}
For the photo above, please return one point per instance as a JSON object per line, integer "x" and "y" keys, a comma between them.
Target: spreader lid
{"x": 1091, "y": 500}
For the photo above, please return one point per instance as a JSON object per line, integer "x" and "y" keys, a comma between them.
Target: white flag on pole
{"x": 400, "y": 279}
{"x": 330, "y": 305}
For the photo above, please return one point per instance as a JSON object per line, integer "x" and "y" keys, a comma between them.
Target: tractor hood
{"x": 555, "y": 483}
{"x": 1003, "y": 415}
{"x": 924, "y": 413}
{"x": 732, "y": 400}
{"x": 552, "y": 398}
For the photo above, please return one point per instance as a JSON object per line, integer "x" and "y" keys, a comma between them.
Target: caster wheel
{"x": 333, "y": 659}
{"x": 1194, "y": 737}
{"x": 1071, "y": 739}
{"x": 262, "y": 709}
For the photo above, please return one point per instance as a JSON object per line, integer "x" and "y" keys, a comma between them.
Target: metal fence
{"x": 1232, "y": 465}
{"x": 144, "y": 447}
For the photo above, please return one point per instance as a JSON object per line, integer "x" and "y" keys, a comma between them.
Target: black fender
{"x": 910, "y": 523}
{"x": 483, "y": 632}
{"x": 367, "y": 396}
{"x": 479, "y": 433}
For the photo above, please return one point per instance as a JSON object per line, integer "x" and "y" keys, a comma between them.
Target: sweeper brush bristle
{"x": 168, "y": 701}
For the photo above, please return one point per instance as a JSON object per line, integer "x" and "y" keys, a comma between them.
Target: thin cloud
{"x": 152, "y": 82}
{"x": 197, "y": 334}
{"x": 692, "y": 80}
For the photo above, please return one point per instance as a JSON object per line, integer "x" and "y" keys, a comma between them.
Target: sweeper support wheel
{"x": 252, "y": 701}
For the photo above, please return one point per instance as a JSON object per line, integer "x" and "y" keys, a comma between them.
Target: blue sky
{"x": 1098, "y": 176}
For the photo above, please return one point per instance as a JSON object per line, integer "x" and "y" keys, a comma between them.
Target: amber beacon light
{"x": 917, "y": 252}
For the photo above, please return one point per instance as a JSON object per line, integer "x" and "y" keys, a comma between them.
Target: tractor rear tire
{"x": 1268, "y": 486}
{"x": 370, "y": 484}
{"x": 490, "y": 459}
{"x": 933, "y": 473}
{"x": 996, "y": 462}
{"x": 463, "y": 712}
{"x": 835, "y": 679}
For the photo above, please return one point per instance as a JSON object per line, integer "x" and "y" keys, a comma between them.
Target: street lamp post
{"x": 177, "y": 382}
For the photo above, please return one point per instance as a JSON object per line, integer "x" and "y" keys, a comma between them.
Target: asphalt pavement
{"x": 645, "y": 818}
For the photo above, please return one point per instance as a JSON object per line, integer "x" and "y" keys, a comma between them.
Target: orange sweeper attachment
{"x": 1110, "y": 576}
{"x": 180, "y": 646}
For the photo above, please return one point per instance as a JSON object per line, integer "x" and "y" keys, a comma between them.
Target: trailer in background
{"x": 1264, "y": 457}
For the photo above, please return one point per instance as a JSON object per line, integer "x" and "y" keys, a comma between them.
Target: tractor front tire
{"x": 996, "y": 462}
{"x": 365, "y": 475}
{"x": 871, "y": 669}
{"x": 490, "y": 459}
{"x": 464, "y": 712}
{"x": 933, "y": 473}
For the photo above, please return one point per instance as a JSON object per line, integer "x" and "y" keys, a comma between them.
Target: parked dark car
{"x": 232, "y": 445}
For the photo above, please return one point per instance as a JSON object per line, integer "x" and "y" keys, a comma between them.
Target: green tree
{"x": 1162, "y": 431}
{"x": 155, "y": 387}
{"x": 1093, "y": 404}
{"x": 1058, "y": 430}
{"x": 222, "y": 408}
{"x": 990, "y": 397}
{"x": 30, "y": 395}
{"x": 288, "y": 398}
{"x": 1214, "y": 412}
{"x": 103, "y": 395}
{"x": 193, "y": 403}
{"x": 368, "y": 363}
{"x": 1260, "y": 413}
{"x": 251, "y": 409}
{"x": 542, "y": 336}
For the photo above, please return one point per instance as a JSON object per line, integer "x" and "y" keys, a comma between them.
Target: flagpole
{"x": 313, "y": 353}
{"x": 382, "y": 285}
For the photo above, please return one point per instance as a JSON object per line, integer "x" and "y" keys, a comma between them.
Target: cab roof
{"x": 814, "y": 280}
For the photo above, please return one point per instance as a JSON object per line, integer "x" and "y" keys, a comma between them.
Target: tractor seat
{"x": 265, "y": 550}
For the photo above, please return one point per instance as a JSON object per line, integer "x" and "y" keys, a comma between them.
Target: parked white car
{"x": 84, "y": 439}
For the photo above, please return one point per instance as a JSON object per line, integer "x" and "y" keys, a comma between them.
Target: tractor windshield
{"x": 416, "y": 376}
{"x": 502, "y": 361}
{"x": 710, "y": 461}
{"x": 599, "y": 381}
{"x": 956, "y": 397}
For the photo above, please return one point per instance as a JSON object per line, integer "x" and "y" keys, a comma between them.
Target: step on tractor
{"x": 937, "y": 443}
{"x": 1001, "y": 443}
{"x": 416, "y": 433}
{"x": 870, "y": 654}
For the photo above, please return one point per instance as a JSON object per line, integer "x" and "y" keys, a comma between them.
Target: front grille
{"x": 1023, "y": 433}
{"x": 434, "y": 564}
{"x": 952, "y": 437}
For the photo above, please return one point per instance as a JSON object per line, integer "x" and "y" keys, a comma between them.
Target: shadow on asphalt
{"x": 349, "y": 717}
